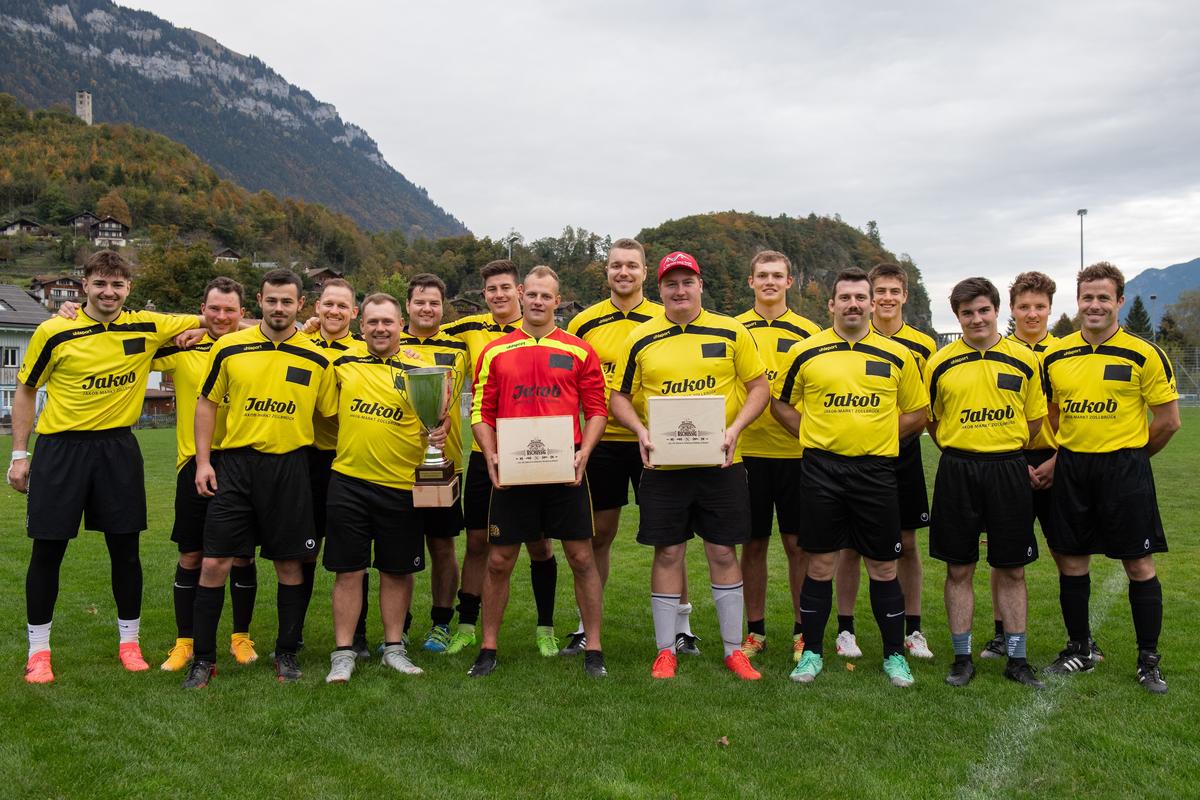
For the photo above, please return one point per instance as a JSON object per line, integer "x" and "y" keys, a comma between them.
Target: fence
{"x": 1186, "y": 363}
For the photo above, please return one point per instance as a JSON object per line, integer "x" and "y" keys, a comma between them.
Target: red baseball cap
{"x": 677, "y": 260}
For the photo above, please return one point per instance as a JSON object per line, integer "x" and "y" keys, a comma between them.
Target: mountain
{"x": 234, "y": 111}
{"x": 1166, "y": 284}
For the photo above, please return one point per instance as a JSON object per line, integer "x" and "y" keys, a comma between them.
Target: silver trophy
{"x": 430, "y": 391}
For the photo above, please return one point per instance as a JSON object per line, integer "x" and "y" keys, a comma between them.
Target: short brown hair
{"x": 225, "y": 285}
{"x": 107, "y": 263}
{"x": 501, "y": 266}
{"x": 1036, "y": 282}
{"x": 968, "y": 289}
{"x": 1101, "y": 271}
{"x": 337, "y": 283}
{"x": 770, "y": 256}
{"x": 426, "y": 280}
{"x": 382, "y": 298}
{"x": 542, "y": 271}
{"x": 888, "y": 270}
{"x": 629, "y": 244}
{"x": 283, "y": 277}
{"x": 850, "y": 275}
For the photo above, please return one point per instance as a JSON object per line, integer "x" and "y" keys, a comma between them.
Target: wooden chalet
{"x": 53, "y": 290}
{"x": 22, "y": 225}
{"x": 110, "y": 232}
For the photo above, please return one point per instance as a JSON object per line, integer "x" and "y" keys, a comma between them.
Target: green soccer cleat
{"x": 547, "y": 642}
{"x": 463, "y": 638}
{"x": 897, "y": 671}
{"x": 438, "y": 639}
{"x": 809, "y": 668}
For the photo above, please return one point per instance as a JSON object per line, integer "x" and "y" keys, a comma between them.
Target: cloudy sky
{"x": 971, "y": 132}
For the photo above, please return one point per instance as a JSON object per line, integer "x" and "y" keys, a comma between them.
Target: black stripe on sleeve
{"x": 788, "y": 326}
{"x": 1122, "y": 352}
{"x": 704, "y": 331}
{"x": 43, "y": 359}
{"x": 141, "y": 327}
{"x": 916, "y": 347}
{"x": 1166, "y": 362}
{"x": 596, "y": 322}
{"x": 626, "y": 385}
{"x": 463, "y": 327}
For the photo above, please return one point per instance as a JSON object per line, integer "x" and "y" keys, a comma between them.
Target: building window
{"x": 6, "y": 401}
{"x": 12, "y": 357}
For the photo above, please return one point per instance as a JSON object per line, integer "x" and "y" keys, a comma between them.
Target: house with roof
{"x": 81, "y": 224}
{"x": 20, "y": 315}
{"x": 226, "y": 255}
{"x": 318, "y": 276}
{"x": 52, "y": 290}
{"x": 21, "y": 225}
{"x": 110, "y": 232}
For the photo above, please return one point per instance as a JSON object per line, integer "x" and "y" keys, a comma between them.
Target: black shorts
{"x": 441, "y": 523}
{"x": 910, "y": 483}
{"x": 851, "y": 502}
{"x": 1043, "y": 499}
{"x": 477, "y": 493}
{"x": 774, "y": 486}
{"x": 1105, "y": 503}
{"x": 320, "y": 466}
{"x": 531, "y": 513}
{"x": 190, "y": 508}
{"x": 93, "y": 476}
{"x": 362, "y": 513}
{"x": 611, "y": 469}
{"x": 710, "y": 502}
{"x": 263, "y": 500}
{"x": 976, "y": 492}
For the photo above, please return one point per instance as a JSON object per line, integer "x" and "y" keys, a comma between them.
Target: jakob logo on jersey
{"x": 108, "y": 381}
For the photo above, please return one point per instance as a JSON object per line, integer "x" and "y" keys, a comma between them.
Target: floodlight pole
{"x": 1082, "y": 213}
{"x": 1153, "y": 327}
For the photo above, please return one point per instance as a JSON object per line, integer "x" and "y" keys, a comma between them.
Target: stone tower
{"x": 83, "y": 106}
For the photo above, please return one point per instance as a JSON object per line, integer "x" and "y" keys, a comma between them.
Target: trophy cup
{"x": 429, "y": 391}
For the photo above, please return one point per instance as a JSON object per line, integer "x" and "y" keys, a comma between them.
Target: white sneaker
{"x": 341, "y": 666}
{"x": 847, "y": 645}
{"x": 396, "y": 657}
{"x": 917, "y": 646}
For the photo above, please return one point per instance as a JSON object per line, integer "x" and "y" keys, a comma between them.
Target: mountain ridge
{"x": 1165, "y": 282}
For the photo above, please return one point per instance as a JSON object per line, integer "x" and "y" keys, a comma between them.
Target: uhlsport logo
{"x": 102, "y": 382}
{"x": 974, "y": 417}
{"x": 1090, "y": 407}
{"x": 265, "y": 405}
{"x": 850, "y": 401}
{"x": 689, "y": 385}
{"x": 376, "y": 410}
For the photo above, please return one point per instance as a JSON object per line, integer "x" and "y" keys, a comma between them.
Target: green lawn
{"x": 539, "y": 727}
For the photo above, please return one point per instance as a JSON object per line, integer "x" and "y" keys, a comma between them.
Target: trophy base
{"x": 439, "y": 493}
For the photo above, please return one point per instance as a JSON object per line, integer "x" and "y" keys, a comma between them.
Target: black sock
{"x": 184, "y": 594}
{"x": 887, "y": 601}
{"x": 360, "y": 630}
{"x": 544, "y": 577}
{"x": 126, "y": 573}
{"x": 290, "y": 603}
{"x": 845, "y": 622}
{"x": 441, "y": 615}
{"x": 308, "y": 580}
{"x": 206, "y": 616}
{"x": 243, "y": 590}
{"x": 758, "y": 626}
{"x": 999, "y": 623}
{"x": 912, "y": 623}
{"x": 1074, "y": 593}
{"x": 407, "y": 621}
{"x": 1146, "y": 603}
{"x": 816, "y": 600}
{"x": 797, "y": 627}
{"x": 41, "y": 580}
{"x": 468, "y": 608}
{"x": 963, "y": 658}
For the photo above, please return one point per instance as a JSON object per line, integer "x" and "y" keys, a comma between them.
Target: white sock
{"x": 665, "y": 608}
{"x": 39, "y": 637}
{"x": 684, "y": 623}
{"x": 728, "y": 600}
{"x": 579, "y": 630}
{"x": 128, "y": 629}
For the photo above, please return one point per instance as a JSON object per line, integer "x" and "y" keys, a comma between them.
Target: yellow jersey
{"x": 273, "y": 389}
{"x": 606, "y": 328}
{"x": 1103, "y": 392}
{"x": 1045, "y": 435}
{"x": 851, "y": 395}
{"x": 95, "y": 372}
{"x": 478, "y": 331}
{"x": 445, "y": 351}
{"x": 325, "y": 429}
{"x": 983, "y": 400}
{"x": 765, "y": 437}
{"x": 187, "y": 368}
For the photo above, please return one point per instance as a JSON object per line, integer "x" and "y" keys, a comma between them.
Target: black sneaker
{"x": 575, "y": 645}
{"x": 961, "y": 672}
{"x": 201, "y": 672}
{"x": 1148, "y": 673}
{"x": 593, "y": 664}
{"x": 685, "y": 644}
{"x": 1023, "y": 672}
{"x": 287, "y": 667}
{"x": 362, "y": 650}
{"x": 1076, "y": 657}
{"x": 484, "y": 665}
{"x": 994, "y": 648}
{"x": 1097, "y": 653}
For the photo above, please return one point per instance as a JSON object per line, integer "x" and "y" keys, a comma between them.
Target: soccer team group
{"x": 291, "y": 434}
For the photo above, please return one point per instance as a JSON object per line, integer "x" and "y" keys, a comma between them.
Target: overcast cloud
{"x": 970, "y": 132}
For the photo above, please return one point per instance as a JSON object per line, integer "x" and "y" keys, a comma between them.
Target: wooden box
{"x": 536, "y": 450}
{"x": 686, "y": 430}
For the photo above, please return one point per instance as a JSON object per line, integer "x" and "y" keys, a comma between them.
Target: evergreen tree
{"x": 1064, "y": 326}
{"x": 1137, "y": 321}
{"x": 1012, "y": 327}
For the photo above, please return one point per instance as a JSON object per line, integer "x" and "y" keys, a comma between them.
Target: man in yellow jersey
{"x": 771, "y": 454}
{"x": 423, "y": 335}
{"x": 502, "y": 292}
{"x": 1101, "y": 381}
{"x": 616, "y": 463}
{"x": 689, "y": 350}
{"x": 540, "y": 371}
{"x": 222, "y": 311}
{"x": 379, "y": 446}
{"x": 859, "y": 394}
{"x": 985, "y": 404}
{"x": 274, "y": 380}
{"x": 889, "y": 290}
{"x": 88, "y": 464}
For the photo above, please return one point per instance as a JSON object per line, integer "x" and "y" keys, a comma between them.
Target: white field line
{"x": 1000, "y": 763}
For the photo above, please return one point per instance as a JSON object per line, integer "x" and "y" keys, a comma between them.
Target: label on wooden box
{"x": 686, "y": 430}
{"x": 536, "y": 450}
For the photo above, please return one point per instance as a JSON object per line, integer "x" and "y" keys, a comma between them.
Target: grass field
{"x": 538, "y": 727}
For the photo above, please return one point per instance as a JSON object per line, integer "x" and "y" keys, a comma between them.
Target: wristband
{"x": 18, "y": 455}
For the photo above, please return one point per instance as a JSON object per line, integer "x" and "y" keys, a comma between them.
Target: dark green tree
{"x": 1137, "y": 321}
{"x": 1169, "y": 333}
{"x": 1064, "y": 326}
